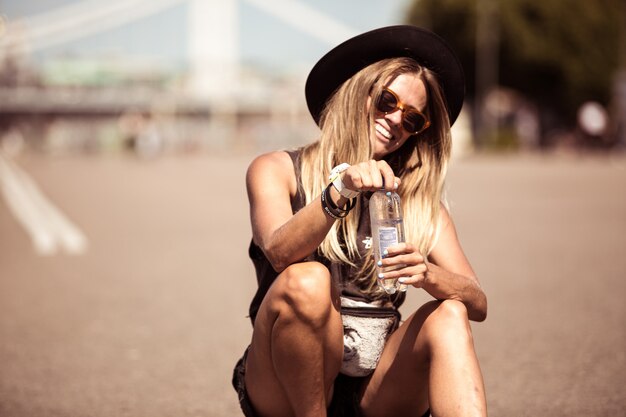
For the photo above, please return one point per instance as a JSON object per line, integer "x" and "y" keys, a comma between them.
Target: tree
{"x": 559, "y": 53}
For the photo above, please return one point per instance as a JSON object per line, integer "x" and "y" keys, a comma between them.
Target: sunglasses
{"x": 413, "y": 120}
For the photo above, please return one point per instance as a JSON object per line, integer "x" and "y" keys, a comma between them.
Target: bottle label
{"x": 387, "y": 236}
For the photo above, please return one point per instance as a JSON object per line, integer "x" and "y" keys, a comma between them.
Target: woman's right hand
{"x": 370, "y": 176}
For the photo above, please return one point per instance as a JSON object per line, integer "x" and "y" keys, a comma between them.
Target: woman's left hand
{"x": 413, "y": 265}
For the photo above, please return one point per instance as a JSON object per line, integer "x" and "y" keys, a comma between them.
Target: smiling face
{"x": 389, "y": 133}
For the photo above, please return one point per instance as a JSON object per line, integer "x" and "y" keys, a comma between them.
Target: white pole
{"x": 213, "y": 48}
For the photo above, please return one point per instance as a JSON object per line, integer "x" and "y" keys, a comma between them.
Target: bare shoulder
{"x": 445, "y": 218}
{"x": 446, "y": 237}
{"x": 271, "y": 161}
{"x": 271, "y": 168}
{"x": 447, "y": 252}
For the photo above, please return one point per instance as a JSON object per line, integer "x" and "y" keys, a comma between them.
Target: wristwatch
{"x": 335, "y": 179}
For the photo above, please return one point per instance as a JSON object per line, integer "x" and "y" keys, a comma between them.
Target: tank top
{"x": 343, "y": 274}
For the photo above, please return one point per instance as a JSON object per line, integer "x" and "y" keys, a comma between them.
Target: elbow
{"x": 479, "y": 313}
{"x": 278, "y": 262}
{"x": 278, "y": 265}
{"x": 479, "y": 316}
{"x": 265, "y": 248}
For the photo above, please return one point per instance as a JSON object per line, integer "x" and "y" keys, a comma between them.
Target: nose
{"x": 395, "y": 117}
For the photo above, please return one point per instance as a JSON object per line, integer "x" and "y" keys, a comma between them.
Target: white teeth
{"x": 384, "y": 132}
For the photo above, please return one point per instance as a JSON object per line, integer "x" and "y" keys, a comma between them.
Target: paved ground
{"x": 149, "y": 321}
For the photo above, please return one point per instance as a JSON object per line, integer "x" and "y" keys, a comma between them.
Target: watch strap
{"x": 335, "y": 179}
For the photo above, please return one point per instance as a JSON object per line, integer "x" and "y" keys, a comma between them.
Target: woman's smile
{"x": 383, "y": 131}
{"x": 390, "y": 135}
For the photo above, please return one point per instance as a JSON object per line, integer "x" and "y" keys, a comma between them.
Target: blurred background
{"x": 125, "y": 131}
{"x": 183, "y": 75}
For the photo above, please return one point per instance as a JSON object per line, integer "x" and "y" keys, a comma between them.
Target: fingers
{"x": 415, "y": 280}
{"x": 410, "y": 265}
{"x": 370, "y": 176}
{"x": 415, "y": 275}
{"x": 402, "y": 253}
{"x": 390, "y": 181}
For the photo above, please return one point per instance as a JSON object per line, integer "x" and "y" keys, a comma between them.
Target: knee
{"x": 449, "y": 320}
{"x": 306, "y": 291}
{"x": 452, "y": 310}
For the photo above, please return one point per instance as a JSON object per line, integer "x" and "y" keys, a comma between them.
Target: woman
{"x": 384, "y": 101}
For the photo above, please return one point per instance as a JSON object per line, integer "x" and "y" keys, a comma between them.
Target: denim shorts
{"x": 345, "y": 401}
{"x": 239, "y": 383}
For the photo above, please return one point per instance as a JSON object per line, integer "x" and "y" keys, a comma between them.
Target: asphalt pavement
{"x": 149, "y": 316}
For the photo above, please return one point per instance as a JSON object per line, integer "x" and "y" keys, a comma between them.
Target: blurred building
{"x": 85, "y": 101}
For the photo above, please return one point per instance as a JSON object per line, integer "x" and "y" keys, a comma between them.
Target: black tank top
{"x": 343, "y": 274}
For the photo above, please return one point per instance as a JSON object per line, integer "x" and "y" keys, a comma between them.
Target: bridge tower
{"x": 213, "y": 47}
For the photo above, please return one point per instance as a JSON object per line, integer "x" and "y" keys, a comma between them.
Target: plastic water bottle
{"x": 387, "y": 230}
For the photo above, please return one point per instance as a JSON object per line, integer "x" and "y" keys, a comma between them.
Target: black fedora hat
{"x": 348, "y": 58}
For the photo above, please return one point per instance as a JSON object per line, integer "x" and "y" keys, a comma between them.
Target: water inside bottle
{"x": 386, "y": 233}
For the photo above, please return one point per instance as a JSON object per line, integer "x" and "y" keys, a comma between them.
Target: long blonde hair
{"x": 346, "y": 128}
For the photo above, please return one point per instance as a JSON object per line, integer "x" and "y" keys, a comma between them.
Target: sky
{"x": 264, "y": 40}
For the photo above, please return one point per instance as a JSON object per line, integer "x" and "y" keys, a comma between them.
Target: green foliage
{"x": 455, "y": 20}
{"x": 501, "y": 140}
{"x": 558, "y": 53}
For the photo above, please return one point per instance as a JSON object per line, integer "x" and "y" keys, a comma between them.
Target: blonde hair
{"x": 346, "y": 126}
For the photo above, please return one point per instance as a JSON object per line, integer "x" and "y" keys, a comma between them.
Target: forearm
{"x": 301, "y": 235}
{"x": 444, "y": 285}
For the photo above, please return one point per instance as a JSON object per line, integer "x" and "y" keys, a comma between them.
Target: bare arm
{"x": 446, "y": 275}
{"x": 286, "y": 238}
{"x": 450, "y": 275}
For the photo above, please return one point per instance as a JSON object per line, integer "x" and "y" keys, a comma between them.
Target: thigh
{"x": 399, "y": 384}
{"x": 262, "y": 382}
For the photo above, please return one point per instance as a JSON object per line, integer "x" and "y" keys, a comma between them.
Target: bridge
{"x": 212, "y": 30}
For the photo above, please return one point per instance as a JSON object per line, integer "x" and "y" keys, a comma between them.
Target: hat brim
{"x": 425, "y": 47}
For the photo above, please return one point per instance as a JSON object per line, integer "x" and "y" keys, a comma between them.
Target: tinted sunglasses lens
{"x": 413, "y": 121}
{"x": 387, "y": 102}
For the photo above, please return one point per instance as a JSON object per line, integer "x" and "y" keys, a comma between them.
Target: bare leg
{"x": 456, "y": 382}
{"x": 297, "y": 344}
{"x": 428, "y": 362}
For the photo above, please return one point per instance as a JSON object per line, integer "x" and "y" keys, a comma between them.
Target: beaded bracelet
{"x": 331, "y": 208}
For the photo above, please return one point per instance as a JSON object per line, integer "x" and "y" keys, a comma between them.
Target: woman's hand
{"x": 413, "y": 267}
{"x": 370, "y": 176}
